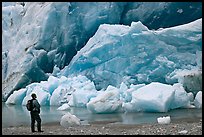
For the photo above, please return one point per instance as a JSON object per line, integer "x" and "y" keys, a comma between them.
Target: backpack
{"x": 29, "y": 105}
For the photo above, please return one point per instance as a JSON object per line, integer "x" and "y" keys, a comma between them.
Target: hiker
{"x": 35, "y": 114}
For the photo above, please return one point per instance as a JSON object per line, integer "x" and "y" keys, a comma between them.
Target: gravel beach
{"x": 177, "y": 127}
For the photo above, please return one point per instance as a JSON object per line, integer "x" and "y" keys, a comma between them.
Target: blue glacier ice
{"x": 79, "y": 91}
{"x": 42, "y": 95}
{"x": 106, "y": 102}
{"x": 17, "y": 97}
{"x": 43, "y": 37}
{"x": 134, "y": 54}
{"x": 103, "y": 56}
{"x": 154, "y": 97}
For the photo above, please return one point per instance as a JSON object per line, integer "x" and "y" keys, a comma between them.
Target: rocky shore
{"x": 178, "y": 127}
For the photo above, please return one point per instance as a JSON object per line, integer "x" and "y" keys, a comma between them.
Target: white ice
{"x": 198, "y": 100}
{"x": 65, "y": 106}
{"x": 164, "y": 120}
{"x": 69, "y": 120}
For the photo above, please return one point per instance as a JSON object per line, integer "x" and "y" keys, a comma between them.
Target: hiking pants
{"x": 35, "y": 117}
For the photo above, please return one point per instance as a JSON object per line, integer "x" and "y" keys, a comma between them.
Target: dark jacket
{"x": 36, "y": 106}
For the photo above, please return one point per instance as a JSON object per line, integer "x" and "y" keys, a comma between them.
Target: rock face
{"x": 157, "y": 15}
{"x": 36, "y": 36}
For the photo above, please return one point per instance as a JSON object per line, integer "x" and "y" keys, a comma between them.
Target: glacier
{"x": 135, "y": 55}
{"x": 46, "y": 34}
{"x": 89, "y": 59}
{"x": 41, "y": 38}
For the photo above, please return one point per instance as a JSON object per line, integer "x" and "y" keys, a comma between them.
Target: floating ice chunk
{"x": 106, "y": 102}
{"x": 164, "y": 120}
{"x": 154, "y": 97}
{"x": 64, "y": 107}
{"x": 17, "y": 97}
{"x": 198, "y": 100}
{"x": 69, "y": 120}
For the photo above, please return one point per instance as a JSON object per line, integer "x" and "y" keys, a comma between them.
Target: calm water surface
{"x": 15, "y": 115}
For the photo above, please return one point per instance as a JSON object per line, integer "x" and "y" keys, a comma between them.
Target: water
{"x": 15, "y": 115}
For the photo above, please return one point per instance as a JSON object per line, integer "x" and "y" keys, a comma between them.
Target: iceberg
{"x": 107, "y": 101}
{"x": 154, "y": 97}
{"x": 75, "y": 91}
{"x": 80, "y": 92}
{"x": 158, "y": 97}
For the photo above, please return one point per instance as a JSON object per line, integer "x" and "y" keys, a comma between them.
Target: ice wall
{"x": 134, "y": 54}
{"x": 36, "y": 36}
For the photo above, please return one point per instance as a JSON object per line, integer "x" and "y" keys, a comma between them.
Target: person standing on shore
{"x": 35, "y": 114}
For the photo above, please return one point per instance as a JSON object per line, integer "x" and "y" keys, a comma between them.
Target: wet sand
{"x": 176, "y": 127}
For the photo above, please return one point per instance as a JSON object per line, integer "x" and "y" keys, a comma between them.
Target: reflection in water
{"x": 15, "y": 115}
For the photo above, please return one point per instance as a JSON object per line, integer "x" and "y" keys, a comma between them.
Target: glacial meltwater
{"x": 17, "y": 115}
